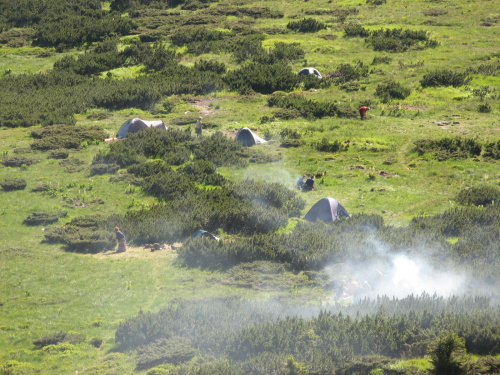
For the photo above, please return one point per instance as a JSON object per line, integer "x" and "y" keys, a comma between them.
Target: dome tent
{"x": 249, "y": 138}
{"x": 326, "y": 209}
{"x": 310, "y": 71}
{"x": 133, "y": 125}
{"x": 200, "y": 233}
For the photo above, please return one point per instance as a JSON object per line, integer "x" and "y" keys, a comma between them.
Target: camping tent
{"x": 133, "y": 125}
{"x": 248, "y": 138}
{"x": 310, "y": 71}
{"x": 326, "y": 209}
{"x": 200, "y": 233}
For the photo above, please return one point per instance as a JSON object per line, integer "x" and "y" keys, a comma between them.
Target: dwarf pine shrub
{"x": 446, "y": 148}
{"x": 492, "y": 150}
{"x": 479, "y": 196}
{"x": 306, "y": 25}
{"x": 444, "y": 77}
{"x": 354, "y": 29}
{"x": 11, "y": 184}
{"x": 43, "y": 218}
{"x": 18, "y": 161}
{"x": 392, "y": 90}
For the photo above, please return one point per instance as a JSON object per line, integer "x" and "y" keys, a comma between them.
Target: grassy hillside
{"x": 419, "y": 177}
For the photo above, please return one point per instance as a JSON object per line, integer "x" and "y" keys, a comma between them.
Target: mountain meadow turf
{"x": 420, "y": 178}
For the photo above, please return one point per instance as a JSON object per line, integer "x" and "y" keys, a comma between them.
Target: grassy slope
{"x": 44, "y": 290}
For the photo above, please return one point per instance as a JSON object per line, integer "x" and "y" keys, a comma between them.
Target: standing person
{"x": 199, "y": 126}
{"x": 362, "y": 111}
{"x": 120, "y": 237}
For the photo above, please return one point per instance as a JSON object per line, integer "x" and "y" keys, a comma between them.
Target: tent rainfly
{"x": 200, "y": 233}
{"x": 249, "y": 138}
{"x": 310, "y": 71}
{"x": 326, "y": 209}
{"x": 133, "y": 125}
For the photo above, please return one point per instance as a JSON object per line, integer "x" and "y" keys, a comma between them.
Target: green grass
{"x": 46, "y": 290}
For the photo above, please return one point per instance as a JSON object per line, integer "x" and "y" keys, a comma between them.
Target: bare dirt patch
{"x": 170, "y": 251}
{"x": 203, "y": 104}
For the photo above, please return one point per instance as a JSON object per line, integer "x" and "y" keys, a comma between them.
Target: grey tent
{"x": 249, "y": 138}
{"x": 200, "y": 233}
{"x": 326, "y": 209}
{"x": 310, "y": 71}
{"x": 133, "y": 125}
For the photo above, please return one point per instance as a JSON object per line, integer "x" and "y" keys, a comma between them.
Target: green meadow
{"x": 49, "y": 288}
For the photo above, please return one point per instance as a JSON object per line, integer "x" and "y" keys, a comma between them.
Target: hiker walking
{"x": 199, "y": 126}
{"x": 362, "y": 111}
{"x": 120, "y": 237}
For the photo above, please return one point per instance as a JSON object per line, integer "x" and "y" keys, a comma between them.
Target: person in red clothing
{"x": 362, "y": 111}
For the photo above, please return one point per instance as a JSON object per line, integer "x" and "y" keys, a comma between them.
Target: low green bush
{"x": 479, "y": 196}
{"x": 444, "y": 77}
{"x": 400, "y": 40}
{"x": 43, "y": 218}
{"x": 326, "y": 146}
{"x": 174, "y": 350}
{"x": 59, "y": 153}
{"x": 446, "y": 148}
{"x": 96, "y": 342}
{"x": 392, "y": 90}
{"x": 354, "y": 29}
{"x": 11, "y": 184}
{"x": 484, "y": 108}
{"x": 18, "y": 161}
{"x": 347, "y": 72}
{"x": 262, "y": 78}
{"x": 59, "y": 338}
{"x": 99, "y": 169}
{"x": 492, "y": 150}
{"x": 87, "y": 234}
{"x": 306, "y": 107}
{"x": 306, "y": 25}
{"x": 64, "y": 136}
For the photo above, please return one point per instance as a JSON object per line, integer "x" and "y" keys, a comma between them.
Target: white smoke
{"x": 406, "y": 274}
{"x": 397, "y": 274}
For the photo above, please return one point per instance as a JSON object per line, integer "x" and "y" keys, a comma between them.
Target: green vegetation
{"x": 419, "y": 178}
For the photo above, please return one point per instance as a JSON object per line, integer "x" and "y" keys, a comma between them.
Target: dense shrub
{"x": 444, "y": 77}
{"x": 58, "y": 338}
{"x": 306, "y": 25}
{"x": 262, "y": 78}
{"x": 306, "y": 107}
{"x": 392, "y": 90}
{"x": 77, "y": 30}
{"x": 59, "y": 153}
{"x": 11, "y": 184}
{"x": 98, "y": 169}
{"x": 399, "y": 40}
{"x": 18, "y": 161}
{"x": 88, "y": 234}
{"x": 211, "y": 66}
{"x": 448, "y": 354}
{"x": 360, "y": 338}
{"x": 43, "y": 218}
{"x": 64, "y": 136}
{"x": 446, "y": 148}
{"x": 484, "y": 108}
{"x": 348, "y": 72}
{"x": 173, "y": 350}
{"x": 492, "y": 150}
{"x": 353, "y": 29}
{"x": 326, "y": 146}
{"x": 479, "y": 196}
